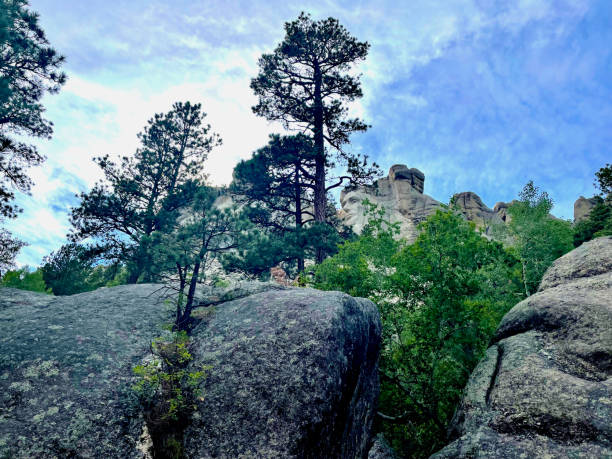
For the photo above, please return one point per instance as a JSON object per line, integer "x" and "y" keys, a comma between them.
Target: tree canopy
{"x": 537, "y": 237}
{"x": 141, "y": 192}
{"x": 275, "y": 187}
{"x": 306, "y": 84}
{"x": 440, "y": 300}
{"x": 29, "y": 68}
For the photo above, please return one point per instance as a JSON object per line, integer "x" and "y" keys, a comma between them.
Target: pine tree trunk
{"x": 298, "y": 211}
{"x": 320, "y": 202}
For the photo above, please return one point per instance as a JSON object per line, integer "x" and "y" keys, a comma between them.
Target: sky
{"x": 480, "y": 95}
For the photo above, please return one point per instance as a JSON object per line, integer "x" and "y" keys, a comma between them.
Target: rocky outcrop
{"x": 544, "y": 388}
{"x": 474, "y": 210}
{"x": 583, "y": 207}
{"x": 293, "y": 372}
{"x": 400, "y": 194}
{"x": 381, "y": 449}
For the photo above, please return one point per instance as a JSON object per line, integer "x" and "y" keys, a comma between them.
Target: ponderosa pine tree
{"x": 9, "y": 246}
{"x": 142, "y": 192}
{"x": 29, "y": 68}
{"x": 276, "y": 187}
{"x": 305, "y": 84}
{"x": 184, "y": 250}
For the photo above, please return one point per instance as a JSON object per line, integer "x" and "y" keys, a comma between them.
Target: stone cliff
{"x": 401, "y": 195}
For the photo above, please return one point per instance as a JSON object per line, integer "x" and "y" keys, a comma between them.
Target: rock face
{"x": 476, "y": 211}
{"x": 583, "y": 207}
{"x": 65, "y": 371}
{"x": 401, "y": 195}
{"x": 294, "y": 372}
{"x": 544, "y": 388}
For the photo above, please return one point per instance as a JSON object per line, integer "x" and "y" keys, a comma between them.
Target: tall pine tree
{"x": 276, "y": 188}
{"x": 306, "y": 84}
{"x": 142, "y": 192}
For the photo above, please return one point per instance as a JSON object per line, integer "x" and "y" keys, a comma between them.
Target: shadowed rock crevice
{"x": 498, "y": 362}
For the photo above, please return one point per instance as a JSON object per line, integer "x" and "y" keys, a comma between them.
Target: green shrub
{"x": 167, "y": 392}
{"x": 24, "y": 279}
{"x": 440, "y": 300}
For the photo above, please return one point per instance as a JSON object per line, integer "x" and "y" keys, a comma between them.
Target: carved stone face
{"x": 353, "y": 209}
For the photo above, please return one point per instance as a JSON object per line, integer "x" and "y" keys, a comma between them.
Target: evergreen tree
{"x": 305, "y": 83}
{"x": 9, "y": 246}
{"x": 183, "y": 252}
{"x": 143, "y": 191}
{"x": 29, "y": 68}
{"x": 599, "y": 221}
{"x": 603, "y": 181}
{"x": 276, "y": 189}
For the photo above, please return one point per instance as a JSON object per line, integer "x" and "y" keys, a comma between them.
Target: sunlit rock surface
{"x": 583, "y": 207}
{"x": 400, "y": 194}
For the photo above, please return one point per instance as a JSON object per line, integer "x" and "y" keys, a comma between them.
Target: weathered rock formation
{"x": 583, "y": 207}
{"x": 474, "y": 210}
{"x": 293, "y": 373}
{"x": 401, "y": 195}
{"x": 544, "y": 388}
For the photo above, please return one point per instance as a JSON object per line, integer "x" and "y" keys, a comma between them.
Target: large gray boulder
{"x": 293, "y": 372}
{"x": 544, "y": 388}
{"x": 65, "y": 370}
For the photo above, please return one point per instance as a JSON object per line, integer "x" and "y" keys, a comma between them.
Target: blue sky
{"x": 481, "y": 95}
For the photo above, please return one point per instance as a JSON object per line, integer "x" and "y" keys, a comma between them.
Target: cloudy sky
{"x": 481, "y": 95}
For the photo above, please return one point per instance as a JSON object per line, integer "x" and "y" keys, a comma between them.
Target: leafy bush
{"x": 167, "y": 392}
{"x": 537, "y": 237}
{"x": 24, "y": 279}
{"x": 440, "y": 299}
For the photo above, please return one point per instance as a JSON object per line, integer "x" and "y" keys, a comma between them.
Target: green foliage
{"x": 537, "y": 237}
{"x": 24, "y": 279}
{"x": 361, "y": 267}
{"x": 9, "y": 247}
{"x": 306, "y": 84}
{"x": 598, "y": 223}
{"x": 182, "y": 252}
{"x": 603, "y": 181}
{"x": 29, "y": 68}
{"x": 440, "y": 299}
{"x": 167, "y": 392}
{"x": 276, "y": 186}
{"x": 73, "y": 269}
{"x": 143, "y": 193}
